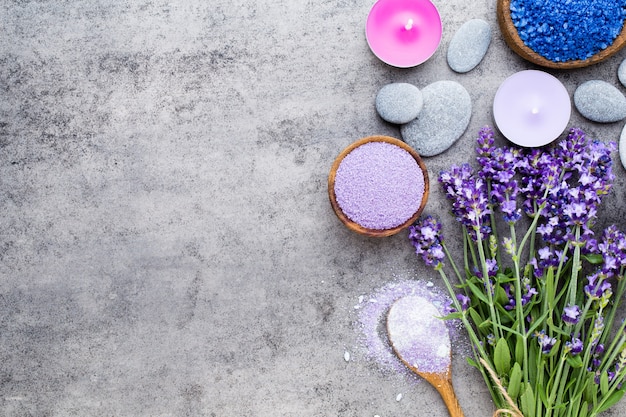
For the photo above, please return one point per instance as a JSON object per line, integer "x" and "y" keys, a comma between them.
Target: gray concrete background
{"x": 167, "y": 245}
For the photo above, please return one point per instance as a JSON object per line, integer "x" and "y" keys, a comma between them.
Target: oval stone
{"x": 622, "y": 147}
{"x": 469, "y": 45}
{"x": 600, "y": 101}
{"x": 621, "y": 73}
{"x": 399, "y": 103}
{"x": 443, "y": 119}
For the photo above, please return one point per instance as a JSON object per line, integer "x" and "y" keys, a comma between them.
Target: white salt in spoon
{"x": 421, "y": 341}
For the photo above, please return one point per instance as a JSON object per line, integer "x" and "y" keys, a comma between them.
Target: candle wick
{"x": 409, "y": 25}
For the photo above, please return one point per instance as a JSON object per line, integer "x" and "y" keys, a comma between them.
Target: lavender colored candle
{"x": 379, "y": 185}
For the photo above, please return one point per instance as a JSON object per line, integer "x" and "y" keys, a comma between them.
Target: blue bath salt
{"x": 567, "y": 30}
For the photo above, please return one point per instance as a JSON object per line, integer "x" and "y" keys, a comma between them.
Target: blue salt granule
{"x": 566, "y": 30}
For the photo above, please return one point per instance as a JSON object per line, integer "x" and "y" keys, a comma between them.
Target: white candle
{"x": 532, "y": 108}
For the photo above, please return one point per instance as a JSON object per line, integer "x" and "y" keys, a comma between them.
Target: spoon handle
{"x": 443, "y": 384}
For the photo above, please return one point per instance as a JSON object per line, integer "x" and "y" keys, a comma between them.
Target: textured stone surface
{"x": 600, "y": 101}
{"x": 399, "y": 103}
{"x": 167, "y": 247}
{"x": 469, "y": 45}
{"x": 622, "y": 147}
{"x": 621, "y": 73}
{"x": 443, "y": 120}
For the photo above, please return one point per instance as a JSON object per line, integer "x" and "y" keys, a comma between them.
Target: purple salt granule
{"x": 372, "y": 319}
{"x": 419, "y": 335}
{"x": 379, "y": 185}
{"x": 565, "y": 30}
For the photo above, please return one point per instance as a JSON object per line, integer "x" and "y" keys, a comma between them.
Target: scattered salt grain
{"x": 379, "y": 185}
{"x": 346, "y": 356}
{"x": 398, "y": 397}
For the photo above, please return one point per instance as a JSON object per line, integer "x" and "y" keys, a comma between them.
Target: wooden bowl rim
{"x": 354, "y": 226}
{"x": 512, "y": 38}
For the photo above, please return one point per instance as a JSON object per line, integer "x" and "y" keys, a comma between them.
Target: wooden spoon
{"x": 512, "y": 38}
{"x": 420, "y": 339}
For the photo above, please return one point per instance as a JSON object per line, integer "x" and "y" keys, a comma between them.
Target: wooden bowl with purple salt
{"x": 580, "y": 35}
{"x": 378, "y": 186}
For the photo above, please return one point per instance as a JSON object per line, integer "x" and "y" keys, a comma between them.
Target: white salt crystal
{"x": 361, "y": 298}
{"x": 346, "y": 356}
{"x": 398, "y": 397}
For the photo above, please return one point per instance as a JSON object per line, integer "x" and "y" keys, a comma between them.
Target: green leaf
{"x": 502, "y": 357}
{"x": 472, "y": 362}
{"x": 453, "y": 316}
{"x": 500, "y": 296}
{"x": 476, "y": 318}
{"x": 594, "y": 259}
{"x": 527, "y": 401}
{"x": 574, "y": 361}
{"x": 591, "y": 391}
{"x": 515, "y": 381}
{"x": 584, "y": 410}
{"x": 519, "y": 349}
{"x": 611, "y": 401}
{"x": 604, "y": 383}
{"x": 477, "y": 292}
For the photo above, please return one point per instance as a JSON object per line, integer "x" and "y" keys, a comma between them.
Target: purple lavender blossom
{"x": 575, "y": 346}
{"x": 597, "y": 286}
{"x": 464, "y": 301}
{"x": 427, "y": 239}
{"x": 498, "y": 166}
{"x": 571, "y": 314}
{"x": 468, "y": 194}
{"x": 545, "y": 342}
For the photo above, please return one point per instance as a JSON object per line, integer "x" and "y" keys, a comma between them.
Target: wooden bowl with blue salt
{"x": 378, "y": 186}
{"x": 512, "y": 37}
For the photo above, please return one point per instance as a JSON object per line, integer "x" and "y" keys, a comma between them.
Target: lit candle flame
{"x": 409, "y": 25}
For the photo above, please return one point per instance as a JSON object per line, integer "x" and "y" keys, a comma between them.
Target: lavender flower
{"x": 560, "y": 189}
{"x": 571, "y": 314}
{"x": 545, "y": 342}
{"x": 468, "y": 194}
{"x": 574, "y": 347}
{"x": 464, "y": 301}
{"x": 427, "y": 240}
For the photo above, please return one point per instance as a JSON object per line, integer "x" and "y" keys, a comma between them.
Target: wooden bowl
{"x": 511, "y": 36}
{"x": 333, "y": 198}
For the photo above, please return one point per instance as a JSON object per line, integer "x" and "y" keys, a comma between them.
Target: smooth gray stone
{"x": 622, "y": 147}
{"x": 469, "y": 45}
{"x": 600, "y": 101}
{"x": 399, "y": 103}
{"x": 442, "y": 121}
{"x": 621, "y": 73}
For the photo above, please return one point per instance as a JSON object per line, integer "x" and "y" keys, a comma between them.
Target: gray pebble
{"x": 399, "y": 103}
{"x": 622, "y": 147}
{"x": 621, "y": 73}
{"x": 600, "y": 101}
{"x": 442, "y": 121}
{"x": 469, "y": 45}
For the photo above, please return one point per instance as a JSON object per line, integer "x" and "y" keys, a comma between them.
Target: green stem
{"x": 495, "y": 318}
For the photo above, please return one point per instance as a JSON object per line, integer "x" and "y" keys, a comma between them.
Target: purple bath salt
{"x": 373, "y": 314}
{"x": 379, "y": 185}
{"x": 419, "y": 335}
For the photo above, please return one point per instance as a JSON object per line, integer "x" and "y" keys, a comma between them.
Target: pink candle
{"x": 403, "y": 33}
{"x": 532, "y": 108}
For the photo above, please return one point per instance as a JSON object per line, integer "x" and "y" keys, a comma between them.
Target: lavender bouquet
{"x": 539, "y": 304}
